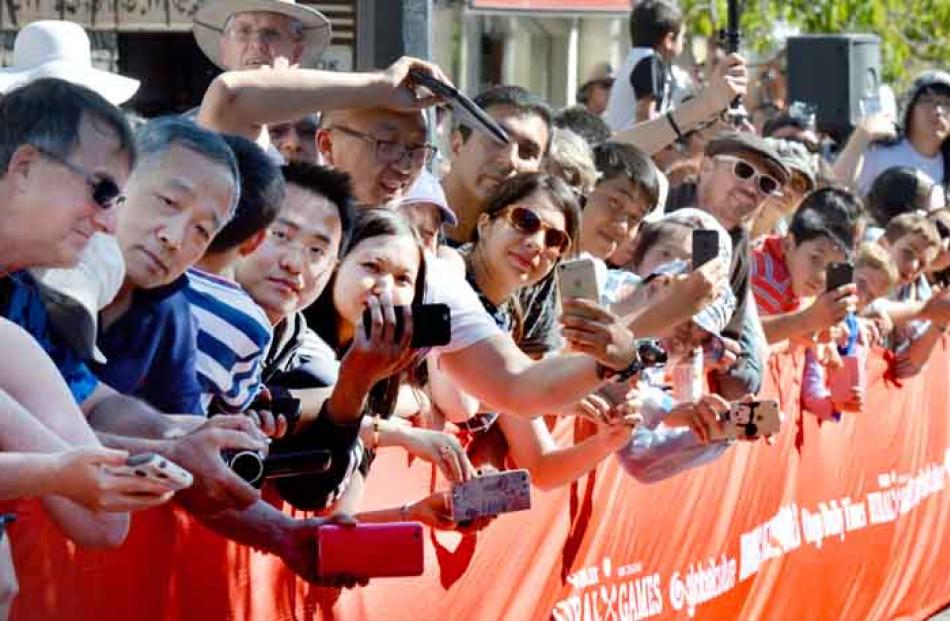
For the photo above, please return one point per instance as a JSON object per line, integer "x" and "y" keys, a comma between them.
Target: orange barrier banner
{"x": 851, "y": 525}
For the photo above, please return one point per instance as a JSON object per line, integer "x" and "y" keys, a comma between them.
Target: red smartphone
{"x": 371, "y": 550}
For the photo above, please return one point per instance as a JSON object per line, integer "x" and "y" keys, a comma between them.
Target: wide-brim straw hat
{"x": 211, "y": 18}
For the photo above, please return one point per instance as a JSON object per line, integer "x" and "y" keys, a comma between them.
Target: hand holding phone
{"x": 750, "y": 420}
{"x": 431, "y": 324}
{"x": 155, "y": 468}
{"x": 578, "y": 279}
{"x": 838, "y": 275}
{"x": 394, "y": 549}
{"x": 491, "y": 494}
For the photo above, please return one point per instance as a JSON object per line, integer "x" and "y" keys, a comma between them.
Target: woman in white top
{"x": 922, "y": 143}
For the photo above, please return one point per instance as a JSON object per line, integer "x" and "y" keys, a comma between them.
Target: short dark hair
{"x": 828, "y": 213}
{"x": 526, "y": 102}
{"x": 617, "y": 159}
{"x": 589, "y": 126}
{"x": 652, "y": 20}
{"x": 262, "y": 192}
{"x": 334, "y": 185}
{"x": 897, "y": 190}
{"x": 519, "y": 187}
{"x": 47, "y": 113}
{"x": 653, "y": 233}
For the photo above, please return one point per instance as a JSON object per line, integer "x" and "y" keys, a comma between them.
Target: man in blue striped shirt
{"x": 234, "y": 333}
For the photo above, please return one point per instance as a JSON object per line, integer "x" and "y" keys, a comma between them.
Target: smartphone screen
{"x": 705, "y": 246}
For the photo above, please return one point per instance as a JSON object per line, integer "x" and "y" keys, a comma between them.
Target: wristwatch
{"x": 620, "y": 375}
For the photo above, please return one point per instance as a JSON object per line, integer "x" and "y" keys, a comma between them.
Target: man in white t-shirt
{"x": 924, "y": 141}
{"x": 644, "y": 86}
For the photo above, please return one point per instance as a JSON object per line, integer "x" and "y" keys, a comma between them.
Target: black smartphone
{"x": 838, "y": 275}
{"x": 705, "y": 246}
{"x": 431, "y": 324}
{"x": 464, "y": 109}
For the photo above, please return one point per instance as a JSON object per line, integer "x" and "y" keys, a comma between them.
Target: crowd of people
{"x": 237, "y": 278}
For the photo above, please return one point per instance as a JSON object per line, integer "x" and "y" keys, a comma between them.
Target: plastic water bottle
{"x": 655, "y": 404}
{"x": 688, "y": 377}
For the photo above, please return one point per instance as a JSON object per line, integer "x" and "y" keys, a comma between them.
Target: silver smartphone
{"x": 578, "y": 279}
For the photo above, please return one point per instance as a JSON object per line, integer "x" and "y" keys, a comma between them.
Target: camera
{"x": 651, "y": 353}
{"x": 254, "y": 467}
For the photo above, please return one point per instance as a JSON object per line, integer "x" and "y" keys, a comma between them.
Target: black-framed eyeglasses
{"x": 105, "y": 191}
{"x": 390, "y": 151}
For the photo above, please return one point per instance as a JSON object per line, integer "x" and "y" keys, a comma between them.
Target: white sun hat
{"x": 74, "y": 296}
{"x": 60, "y": 49}
{"x": 211, "y": 18}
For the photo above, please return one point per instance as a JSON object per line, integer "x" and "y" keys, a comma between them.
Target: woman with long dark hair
{"x": 382, "y": 272}
{"x": 527, "y": 227}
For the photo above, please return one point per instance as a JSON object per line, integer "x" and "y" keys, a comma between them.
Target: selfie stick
{"x": 732, "y": 35}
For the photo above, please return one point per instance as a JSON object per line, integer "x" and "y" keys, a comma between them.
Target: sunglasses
{"x": 528, "y": 222}
{"x": 105, "y": 191}
{"x": 743, "y": 170}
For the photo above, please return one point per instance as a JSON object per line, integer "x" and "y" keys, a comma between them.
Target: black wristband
{"x": 680, "y": 138}
{"x": 619, "y": 375}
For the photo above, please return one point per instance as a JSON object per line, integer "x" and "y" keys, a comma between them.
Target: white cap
{"x": 74, "y": 296}
{"x": 427, "y": 189}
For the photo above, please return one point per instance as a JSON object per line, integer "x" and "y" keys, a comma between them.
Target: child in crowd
{"x": 426, "y": 207}
{"x": 676, "y": 436}
{"x": 790, "y": 287}
{"x": 644, "y": 87}
{"x": 913, "y": 242}
{"x": 788, "y": 270}
{"x": 822, "y": 395}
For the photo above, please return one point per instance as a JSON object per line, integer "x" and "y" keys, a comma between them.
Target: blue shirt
{"x": 152, "y": 350}
{"x": 234, "y": 334}
{"x": 24, "y": 307}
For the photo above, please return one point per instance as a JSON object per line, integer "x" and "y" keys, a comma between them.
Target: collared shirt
{"x": 233, "y": 337}
{"x": 22, "y": 304}
{"x": 771, "y": 279}
{"x": 152, "y": 350}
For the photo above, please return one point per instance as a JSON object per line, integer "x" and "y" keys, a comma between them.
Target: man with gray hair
{"x": 183, "y": 191}
{"x": 249, "y": 34}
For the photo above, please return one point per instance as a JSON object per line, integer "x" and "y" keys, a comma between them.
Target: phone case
{"x": 754, "y": 419}
{"x": 431, "y": 324}
{"x": 705, "y": 246}
{"x": 371, "y": 550}
{"x": 578, "y": 279}
{"x": 852, "y": 375}
{"x": 491, "y": 494}
{"x": 156, "y": 468}
{"x": 839, "y": 275}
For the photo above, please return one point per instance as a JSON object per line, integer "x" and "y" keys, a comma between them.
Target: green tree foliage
{"x": 914, "y": 33}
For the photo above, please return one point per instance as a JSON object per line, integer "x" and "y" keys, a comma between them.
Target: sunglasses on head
{"x": 527, "y": 222}
{"x": 767, "y": 184}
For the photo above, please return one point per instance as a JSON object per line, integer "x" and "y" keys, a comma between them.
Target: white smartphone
{"x": 750, "y": 420}
{"x": 156, "y": 468}
{"x": 578, "y": 279}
